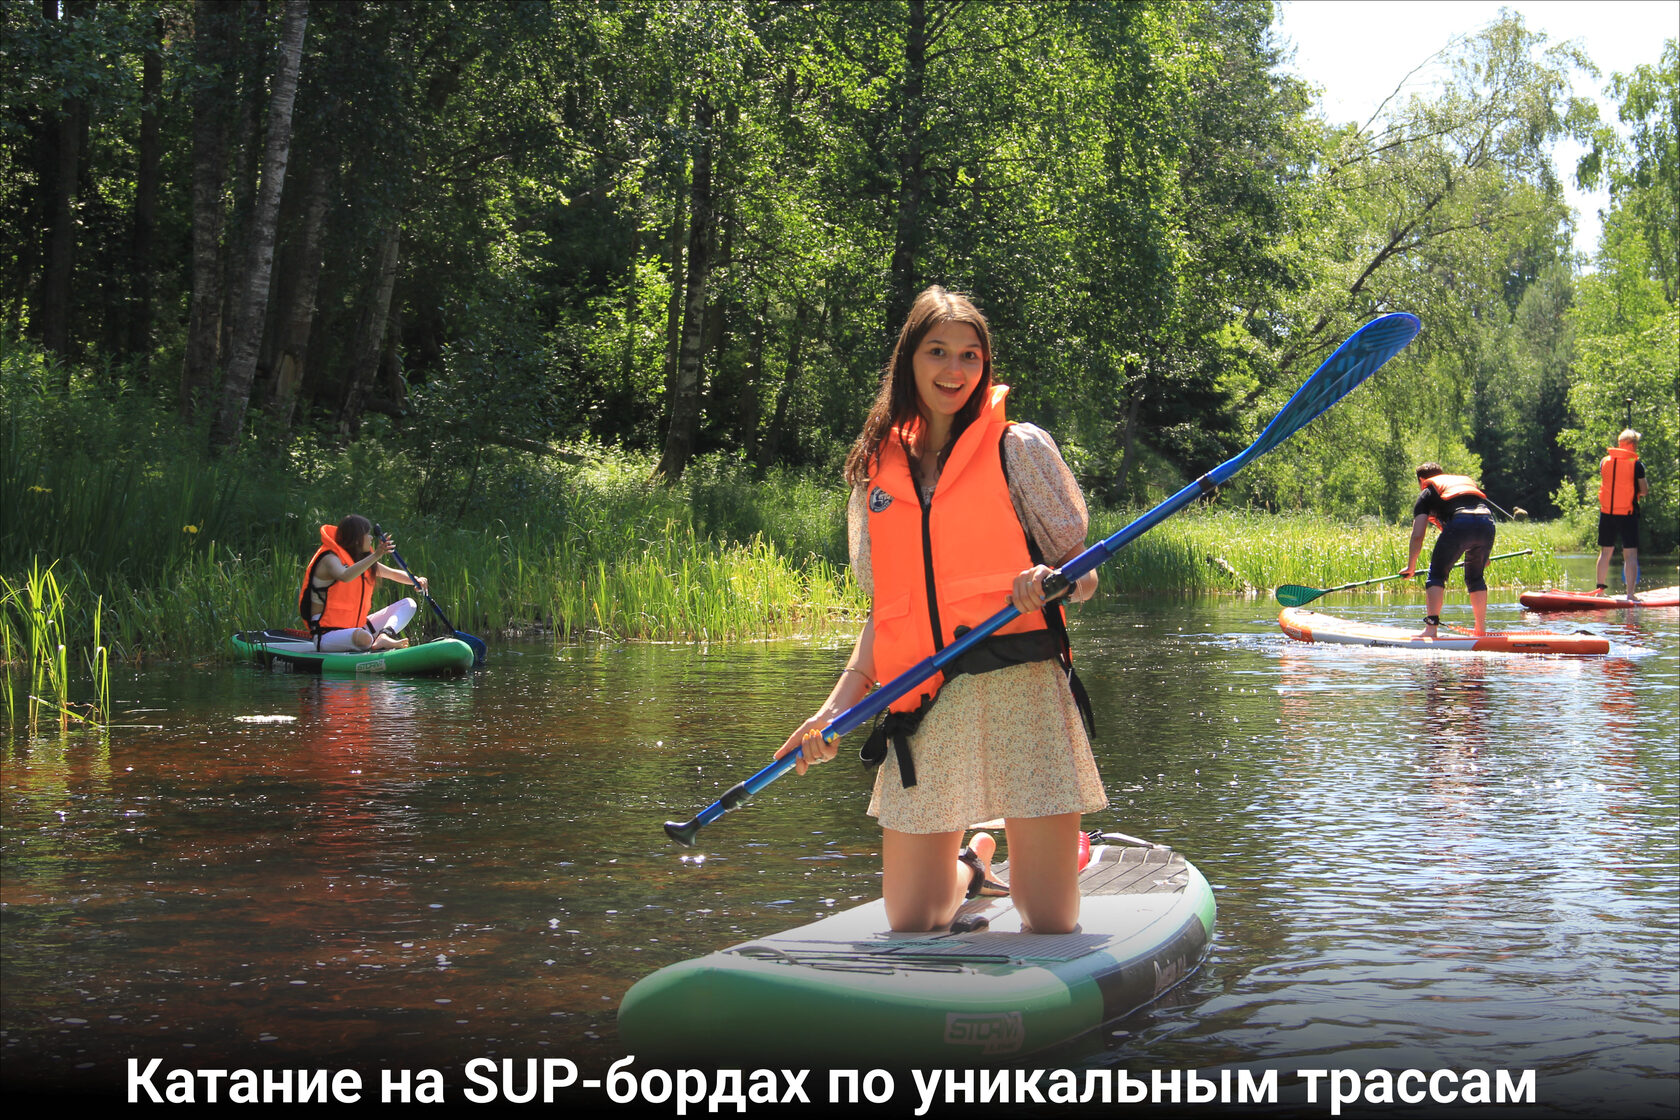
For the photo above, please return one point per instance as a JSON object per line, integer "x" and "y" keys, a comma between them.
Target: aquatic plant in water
{"x": 36, "y": 658}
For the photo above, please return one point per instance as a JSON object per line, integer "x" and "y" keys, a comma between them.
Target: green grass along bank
{"x": 635, "y": 580}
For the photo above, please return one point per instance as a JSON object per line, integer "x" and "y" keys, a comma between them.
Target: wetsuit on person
{"x": 1460, "y": 510}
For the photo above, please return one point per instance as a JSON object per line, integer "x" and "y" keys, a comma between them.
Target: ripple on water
{"x": 1444, "y": 861}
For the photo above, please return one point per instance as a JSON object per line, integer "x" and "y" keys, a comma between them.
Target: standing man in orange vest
{"x": 1454, "y": 504}
{"x": 1621, "y": 485}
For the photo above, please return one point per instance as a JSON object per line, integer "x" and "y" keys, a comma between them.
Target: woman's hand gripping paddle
{"x": 1355, "y": 360}
{"x": 479, "y": 649}
{"x": 1295, "y": 595}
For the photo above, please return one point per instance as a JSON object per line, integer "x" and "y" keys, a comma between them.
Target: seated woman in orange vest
{"x": 1620, "y": 486}
{"x": 1454, "y": 505}
{"x": 954, "y": 511}
{"x": 337, "y": 591}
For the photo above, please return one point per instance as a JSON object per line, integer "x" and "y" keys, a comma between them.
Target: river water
{"x": 1438, "y": 862}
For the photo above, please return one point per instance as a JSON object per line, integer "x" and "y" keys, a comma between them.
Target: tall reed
{"x": 1252, "y": 551}
{"x": 162, "y": 552}
{"x": 33, "y": 638}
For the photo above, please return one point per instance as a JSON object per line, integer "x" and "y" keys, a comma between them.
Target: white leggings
{"x": 393, "y": 618}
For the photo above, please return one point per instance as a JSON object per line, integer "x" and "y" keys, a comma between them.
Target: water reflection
{"x": 1441, "y": 861}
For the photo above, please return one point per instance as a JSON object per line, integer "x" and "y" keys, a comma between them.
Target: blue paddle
{"x": 480, "y": 650}
{"x": 1355, "y": 360}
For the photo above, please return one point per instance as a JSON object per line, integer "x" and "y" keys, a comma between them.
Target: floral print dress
{"x": 1009, "y": 743}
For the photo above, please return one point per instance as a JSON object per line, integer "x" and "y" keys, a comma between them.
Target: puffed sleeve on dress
{"x": 857, "y": 539}
{"x": 1046, "y": 496}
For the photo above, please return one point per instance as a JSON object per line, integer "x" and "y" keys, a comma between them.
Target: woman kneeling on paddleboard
{"x": 337, "y": 590}
{"x": 955, "y": 510}
{"x": 1455, "y": 506}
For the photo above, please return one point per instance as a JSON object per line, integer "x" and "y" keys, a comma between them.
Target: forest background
{"x": 559, "y": 290}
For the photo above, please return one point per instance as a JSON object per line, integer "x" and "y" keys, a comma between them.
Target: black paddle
{"x": 1517, "y": 513}
{"x": 1355, "y": 360}
{"x": 480, "y": 650}
{"x": 1295, "y": 595}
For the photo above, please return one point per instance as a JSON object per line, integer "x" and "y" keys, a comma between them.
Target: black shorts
{"x": 1618, "y": 528}
{"x": 1469, "y": 535}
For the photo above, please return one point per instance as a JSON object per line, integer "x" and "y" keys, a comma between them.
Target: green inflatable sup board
{"x": 994, "y": 995}
{"x": 293, "y": 651}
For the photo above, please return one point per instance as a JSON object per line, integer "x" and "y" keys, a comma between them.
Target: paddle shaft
{"x": 397, "y": 556}
{"x": 1384, "y": 579}
{"x": 1353, "y": 361}
{"x": 480, "y": 650}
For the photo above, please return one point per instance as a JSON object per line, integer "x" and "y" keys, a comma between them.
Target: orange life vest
{"x": 1450, "y": 486}
{"x": 347, "y": 602}
{"x": 950, "y": 566}
{"x": 1615, "y": 485}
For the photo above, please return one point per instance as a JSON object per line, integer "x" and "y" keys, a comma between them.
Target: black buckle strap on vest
{"x": 1082, "y": 699}
{"x": 895, "y": 728}
{"x": 999, "y": 651}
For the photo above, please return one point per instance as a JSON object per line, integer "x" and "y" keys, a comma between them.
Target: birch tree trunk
{"x": 1128, "y": 435}
{"x": 212, "y": 32}
{"x": 299, "y": 318}
{"x": 62, "y": 138}
{"x": 770, "y": 450}
{"x": 907, "y": 234}
{"x": 674, "y": 306}
{"x": 253, "y": 302}
{"x": 142, "y": 275}
{"x": 685, "y": 390}
{"x": 370, "y": 339}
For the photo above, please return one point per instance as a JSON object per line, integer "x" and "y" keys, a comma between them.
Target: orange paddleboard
{"x": 1310, "y": 626}
{"x": 1582, "y": 601}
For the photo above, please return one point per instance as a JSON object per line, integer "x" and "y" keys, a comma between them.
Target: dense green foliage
{"x": 163, "y": 555}
{"x": 265, "y": 263}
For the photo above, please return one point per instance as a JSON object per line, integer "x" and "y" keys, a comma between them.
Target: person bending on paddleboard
{"x": 338, "y": 590}
{"x": 955, "y": 511}
{"x": 1454, "y": 505}
{"x": 1621, "y": 485}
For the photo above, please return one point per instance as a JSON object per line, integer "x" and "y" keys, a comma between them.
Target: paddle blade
{"x": 1354, "y": 360}
{"x": 1294, "y": 595}
{"x": 480, "y": 650}
{"x": 683, "y": 833}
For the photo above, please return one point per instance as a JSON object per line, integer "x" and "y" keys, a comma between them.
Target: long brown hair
{"x": 351, "y": 532}
{"x": 897, "y": 403}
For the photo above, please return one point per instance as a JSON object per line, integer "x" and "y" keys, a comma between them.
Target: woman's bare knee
{"x": 1044, "y": 871}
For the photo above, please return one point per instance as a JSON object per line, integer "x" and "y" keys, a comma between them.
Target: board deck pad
{"x": 1126, "y": 871}
{"x": 997, "y": 992}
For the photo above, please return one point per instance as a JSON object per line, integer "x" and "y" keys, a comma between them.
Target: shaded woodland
{"x": 470, "y": 233}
